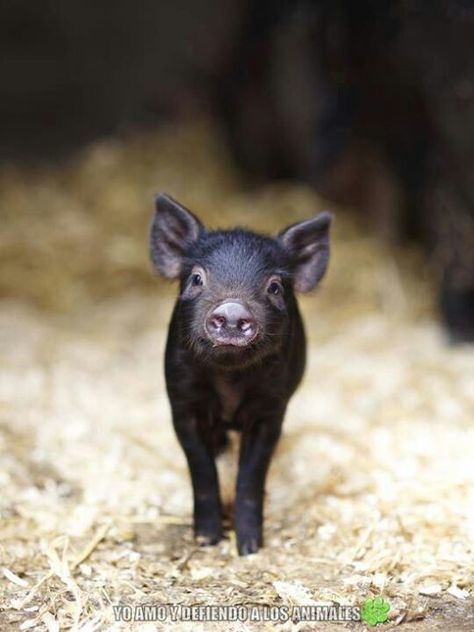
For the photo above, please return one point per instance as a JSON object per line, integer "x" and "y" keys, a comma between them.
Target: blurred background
{"x": 369, "y": 104}
{"x": 257, "y": 113}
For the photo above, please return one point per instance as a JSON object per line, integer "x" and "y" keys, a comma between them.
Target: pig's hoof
{"x": 248, "y": 545}
{"x": 206, "y": 538}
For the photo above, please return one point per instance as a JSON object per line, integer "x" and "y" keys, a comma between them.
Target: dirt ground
{"x": 371, "y": 491}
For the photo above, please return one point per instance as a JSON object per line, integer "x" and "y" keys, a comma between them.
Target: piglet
{"x": 235, "y": 351}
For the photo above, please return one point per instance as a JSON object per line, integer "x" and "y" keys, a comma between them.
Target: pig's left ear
{"x": 174, "y": 227}
{"x": 307, "y": 244}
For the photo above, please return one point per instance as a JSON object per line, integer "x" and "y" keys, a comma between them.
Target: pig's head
{"x": 236, "y": 287}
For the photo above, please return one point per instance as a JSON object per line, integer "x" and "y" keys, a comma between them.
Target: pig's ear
{"x": 174, "y": 227}
{"x": 307, "y": 244}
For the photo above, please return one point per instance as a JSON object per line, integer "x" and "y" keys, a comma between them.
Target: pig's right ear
{"x": 174, "y": 227}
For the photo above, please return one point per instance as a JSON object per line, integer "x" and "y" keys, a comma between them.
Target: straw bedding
{"x": 371, "y": 491}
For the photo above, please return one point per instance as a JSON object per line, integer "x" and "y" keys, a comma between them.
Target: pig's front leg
{"x": 202, "y": 467}
{"x": 258, "y": 443}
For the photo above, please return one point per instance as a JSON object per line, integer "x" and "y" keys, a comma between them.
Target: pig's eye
{"x": 196, "y": 279}
{"x": 274, "y": 288}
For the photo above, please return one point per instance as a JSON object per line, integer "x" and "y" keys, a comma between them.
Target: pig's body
{"x": 235, "y": 351}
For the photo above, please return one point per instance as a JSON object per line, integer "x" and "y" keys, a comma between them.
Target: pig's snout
{"x": 231, "y": 323}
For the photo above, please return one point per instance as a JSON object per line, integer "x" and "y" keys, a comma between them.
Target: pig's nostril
{"x": 218, "y": 322}
{"x": 245, "y": 325}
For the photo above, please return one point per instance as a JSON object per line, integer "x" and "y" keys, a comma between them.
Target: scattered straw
{"x": 371, "y": 490}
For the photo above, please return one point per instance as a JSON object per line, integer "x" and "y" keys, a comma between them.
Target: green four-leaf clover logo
{"x": 375, "y": 610}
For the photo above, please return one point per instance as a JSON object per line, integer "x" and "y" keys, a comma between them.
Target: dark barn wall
{"x": 75, "y": 69}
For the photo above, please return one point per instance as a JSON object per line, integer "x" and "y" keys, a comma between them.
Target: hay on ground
{"x": 371, "y": 490}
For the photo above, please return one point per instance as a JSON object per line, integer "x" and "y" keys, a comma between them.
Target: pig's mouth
{"x": 238, "y": 342}
{"x": 231, "y": 352}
